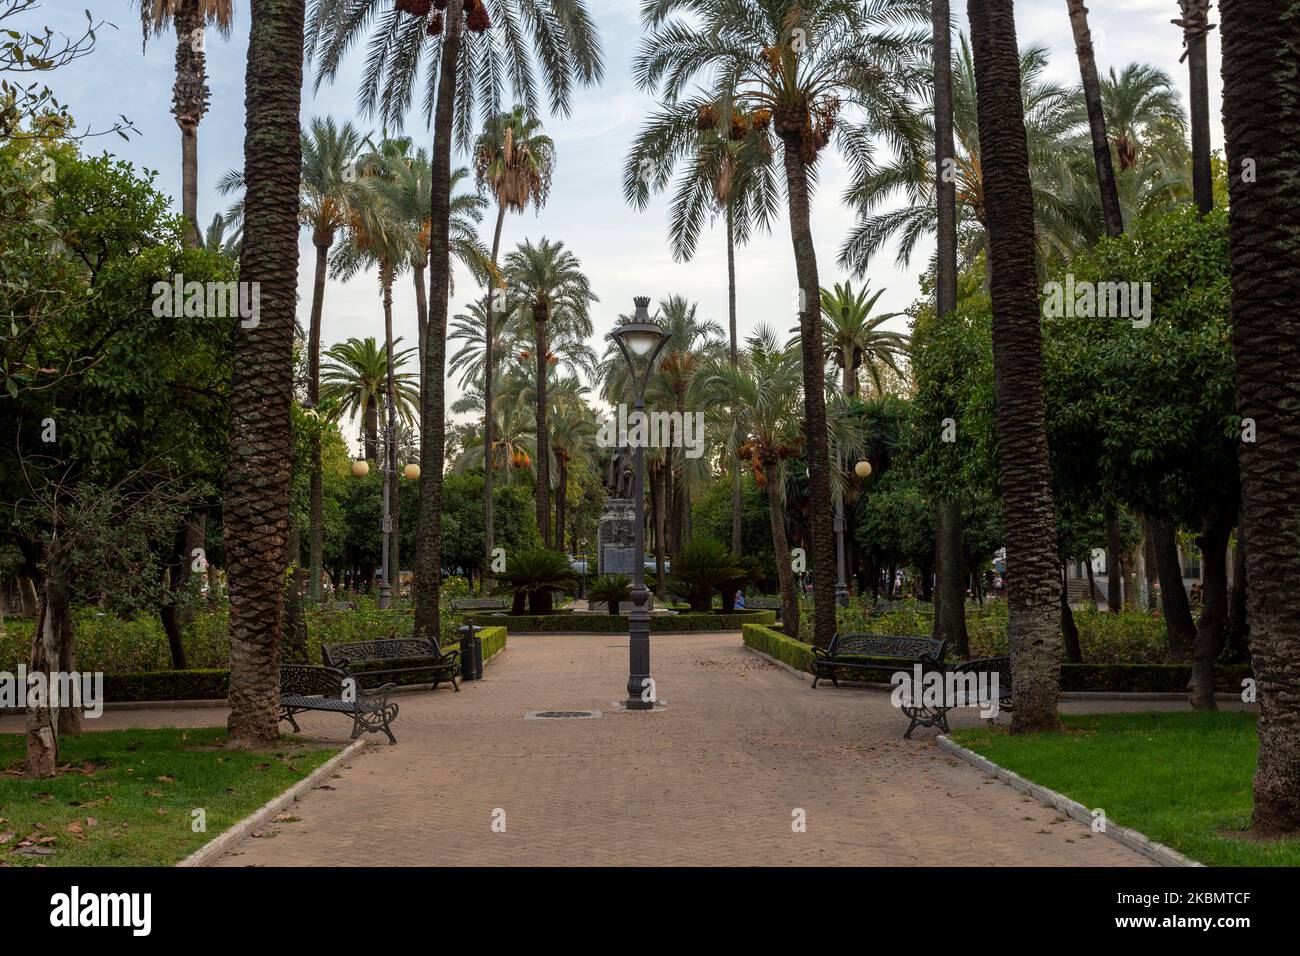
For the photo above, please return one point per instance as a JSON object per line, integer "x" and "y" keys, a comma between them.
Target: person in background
{"x": 740, "y": 599}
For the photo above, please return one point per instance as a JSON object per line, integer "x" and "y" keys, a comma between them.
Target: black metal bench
{"x": 847, "y": 649}
{"x": 765, "y": 604}
{"x": 401, "y": 655}
{"x": 332, "y": 690}
{"x": 477, "y": 604}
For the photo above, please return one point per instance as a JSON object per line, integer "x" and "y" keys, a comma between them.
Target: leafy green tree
{"x": 1145, "y": 412}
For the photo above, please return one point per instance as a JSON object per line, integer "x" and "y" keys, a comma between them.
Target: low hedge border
{"x": 1096, "y": 678}
{"x": 776, "y": 645}
{"x": 618, "y": 623}
{"x": 215, "y": 684}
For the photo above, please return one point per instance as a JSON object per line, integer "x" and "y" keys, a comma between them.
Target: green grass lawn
{"x": 126, "y": 797}
{"x": 1183, "y": 779}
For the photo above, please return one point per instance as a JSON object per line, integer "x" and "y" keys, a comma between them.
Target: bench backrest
{"x": 991, "y": 665}
{"x": 305, "y": 680}
{"x": 386, "y": 649}
{"x": 887, "y": 645}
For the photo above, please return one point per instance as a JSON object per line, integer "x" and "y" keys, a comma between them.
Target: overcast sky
{"x": 624, "y": 252}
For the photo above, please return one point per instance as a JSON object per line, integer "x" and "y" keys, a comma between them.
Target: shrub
{"x": 612, "y": 589}
{"x": 776, "y": 645}
{"x": 703, "y": 567}
{"x": 535, "y": 575}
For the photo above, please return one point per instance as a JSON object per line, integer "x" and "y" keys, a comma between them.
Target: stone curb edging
{"x": 802, "y": 675}
{"x": 1130, "y": 838}
{"x": 224, "y": 841}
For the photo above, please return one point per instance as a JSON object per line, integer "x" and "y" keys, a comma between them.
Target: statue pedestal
{"x": 616, "y": 537}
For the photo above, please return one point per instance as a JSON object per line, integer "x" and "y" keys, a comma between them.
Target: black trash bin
{"x": 471, "y": 652}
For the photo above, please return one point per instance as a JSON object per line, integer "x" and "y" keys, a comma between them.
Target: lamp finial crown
{"x": 642, "y": 308}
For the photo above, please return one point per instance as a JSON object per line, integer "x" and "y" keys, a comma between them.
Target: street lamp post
{"x": 388, "y": 464}
{"x": 644, "y": 338}
{"x": 841, "y": 585}
{"x": 863, "y": 470}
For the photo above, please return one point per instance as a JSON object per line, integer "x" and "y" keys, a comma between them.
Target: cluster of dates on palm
{"x": 476, "y": 14}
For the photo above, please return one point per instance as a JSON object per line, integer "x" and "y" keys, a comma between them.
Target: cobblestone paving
{"x": 716, "y": 777}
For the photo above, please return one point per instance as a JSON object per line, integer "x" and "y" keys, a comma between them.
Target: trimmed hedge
{"x": 618, "y": 623}
{"x": 167, "y": 685}
{"x": 1099, "y": 678}
{"x": 775, "y": 644}
{"x": 1147, "y": 678}
{"x": 215, "y": 684}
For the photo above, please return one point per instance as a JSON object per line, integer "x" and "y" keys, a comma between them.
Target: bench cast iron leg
{"x": 293, "y": 723}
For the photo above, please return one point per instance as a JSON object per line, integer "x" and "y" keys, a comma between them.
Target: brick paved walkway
{"x": 712, "y": 779}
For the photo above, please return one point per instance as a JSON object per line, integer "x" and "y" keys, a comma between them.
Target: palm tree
{"x": 256, "y": 499}
{"x": 1259, "y": 72}
{"x": 729, "y": 170}
{"x": 330, "y": 190}
{"x": 1049, "y": 122}
{"x": 216, "y": 240}
{"x": 854, "y": 338}
{"x": 801, "y": 60}
{"x": 1096, "y": 117}
{"x": 949, "y": 597}
{"x": 513, "y": 160}
{"x": 1028, "y": 514}
{"x": 764, "y": 392}
{"x": 573, "y": 437}
{"x": 355, "y": 375}
{"x": 190, "y": 90}
{"x": 547, "y": 283}
{"x": 562, "y": 39}
{"x": 1195, "y": 21}
{"x": 691, "y": 343}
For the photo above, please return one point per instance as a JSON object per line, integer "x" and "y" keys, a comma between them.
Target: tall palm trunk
{"x": 680, "y": 497}
{"x": 316, "y": 518}
{"x": 433, "y": 417}
{"x": 370, "y": 428}
{"x": 1028, "y": 515}
{"x": 731, "y": 324}
{"x": 949, "y": 596}
{"x": 1195, "y": 22}
{"x": 418, "y": 271}
{"x": 561, "y": 492}
{"x": 781, "y": 549}
{"x": 189, "y": 103}
{"x": 256, "y": 503}
{"x": 810, "y": 334}
{"x": 542, "y": 470}
{"x": 1261, "y": 125}
{"x": 657, "y": 480}
{"x": 489, "y": 369}
{"x": 1110, "y": 209}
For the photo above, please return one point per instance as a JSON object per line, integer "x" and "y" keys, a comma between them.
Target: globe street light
{"x": 388, "y": 468}
{"x": 863, "y": 470}
{"x": 644, "y": 339}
